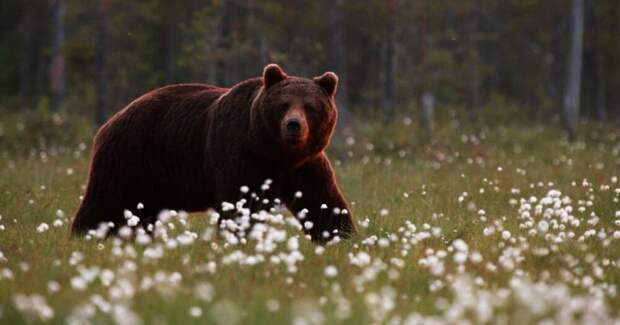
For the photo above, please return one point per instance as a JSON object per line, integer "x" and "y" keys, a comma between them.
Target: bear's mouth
{"x": 293, "y": 140}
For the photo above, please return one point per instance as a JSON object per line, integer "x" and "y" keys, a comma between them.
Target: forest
{"x": 513, "y": 59}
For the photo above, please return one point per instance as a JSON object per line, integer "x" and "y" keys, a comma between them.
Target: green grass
{"x": 391, "y": 176}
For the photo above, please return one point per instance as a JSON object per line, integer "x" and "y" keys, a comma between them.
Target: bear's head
{"x": 294, "y": 117}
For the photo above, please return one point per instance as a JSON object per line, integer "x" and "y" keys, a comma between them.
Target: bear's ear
{"x": 273, "y": 74}
{"x": 328, "y": 81}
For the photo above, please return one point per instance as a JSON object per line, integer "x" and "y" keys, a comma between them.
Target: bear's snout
{"x": 294, "y": 128}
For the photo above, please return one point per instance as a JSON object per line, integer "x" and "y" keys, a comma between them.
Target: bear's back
{"x": 162, "y": 110}
{"x": 159, "y": 134}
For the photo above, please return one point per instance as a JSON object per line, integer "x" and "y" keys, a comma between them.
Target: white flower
{"x": 172, "y": 243}
{"x": 360, "y": 259}
{"x": 143, "y": 239}
{"x": 460, "y": 257}
{"x": 195, "y": 311}
{"x": 43, "y": 227}
{"x": 125, "y": 232}
{"x": 106, "y": 276}
{"x": 175, "y": 277}
{"x": 293, "y": 244}
{"x": 78, "y": 283}
{"x": 34, "y": 304}
{"x": 330, "y": 271}
{"x": 273, "y": 305}
{"x": 204, "y": 291}
{"x": 211, "y": 267}
{"x": 6, "y": 273}
{"x": 133, "y": 221}
{"x": 53, "y": 286}
{"x": 227, "y": 206}
{"x": 185, "y": 239}
{"x": 476, "y": 257}
{"x": 460, "y": 245}
{"x": 543, "y": 226}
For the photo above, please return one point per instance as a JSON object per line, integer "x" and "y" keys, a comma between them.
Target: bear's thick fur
{"x": 192, "y": 146}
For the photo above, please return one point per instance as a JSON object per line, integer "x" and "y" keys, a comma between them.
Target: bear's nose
{"x": 293, "y": 127}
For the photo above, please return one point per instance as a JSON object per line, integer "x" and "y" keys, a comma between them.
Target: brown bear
{"x": 193, "y": 146}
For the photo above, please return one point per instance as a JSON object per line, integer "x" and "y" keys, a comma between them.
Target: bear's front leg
{"x": 311, "y": 193}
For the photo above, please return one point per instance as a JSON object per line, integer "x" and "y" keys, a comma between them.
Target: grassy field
{"x": 512, "y": 225}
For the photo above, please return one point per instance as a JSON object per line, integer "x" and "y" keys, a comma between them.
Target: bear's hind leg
{"x": 91, "y": 214}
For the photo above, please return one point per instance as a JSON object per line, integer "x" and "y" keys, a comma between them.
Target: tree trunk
{"x": 264, "y": 52}
{"x": 170, "y": 32}
{"x": 600, "y": 101}
{"x": 573, "y": 80}
{"x": 57, "y": 68}
{"x": 24, "y": 71}
{"x": 222, "y": 44}
{"x": 428, "y": 80}
{"x": 262, "y": 48}
{"x": 337, "y": 55}
{"x": 616, "y": 104}
{"x": 427, "y": 111}
{"x": 472, "y": 53}
{"x": 389, "y": 64}
{"x": 212, "y": 57}
{"x": 473, "y": 95}
{"x": 101, "y": 62}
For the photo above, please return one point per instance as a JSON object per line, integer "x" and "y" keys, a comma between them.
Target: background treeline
{"x": 512, "y": 59}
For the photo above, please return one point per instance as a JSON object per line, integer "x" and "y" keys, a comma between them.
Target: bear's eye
{"x": 309, "y": 108}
